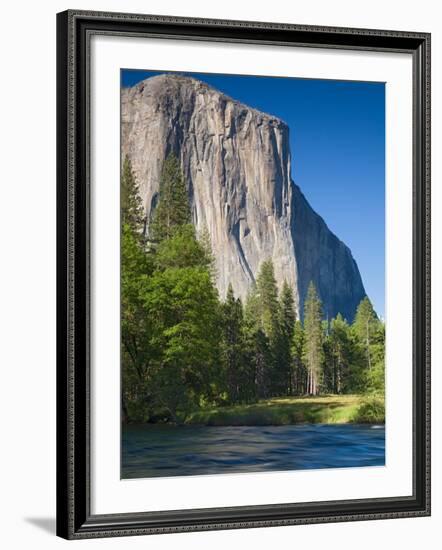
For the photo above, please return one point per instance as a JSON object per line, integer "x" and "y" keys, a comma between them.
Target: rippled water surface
{"x": 154, "y": 451}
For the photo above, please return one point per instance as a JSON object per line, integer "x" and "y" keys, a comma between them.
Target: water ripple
{"x": 154, "y": 451}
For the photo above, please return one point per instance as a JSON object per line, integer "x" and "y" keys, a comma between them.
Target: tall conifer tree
{"x": 287, "y": 318}
{"x": 257, "y": 346}
{"x": 172, "y": 211}
{"x": 313, "y": 348}
{"x": 267, "y": 293}
{"x": 341, "y": 353}
{"x": 233, "y": 348}
{"x": 268, "y": 306}
{"x": 364, "y": 326}
{"x": 298, "y": 379}
{"x": 132, "y": 212}
{"x": 135, "y": 324}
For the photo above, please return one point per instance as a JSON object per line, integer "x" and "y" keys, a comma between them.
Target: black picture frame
{"x": 74, "y": 518}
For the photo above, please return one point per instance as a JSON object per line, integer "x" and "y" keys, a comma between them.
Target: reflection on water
{"x": 154, "y": 451}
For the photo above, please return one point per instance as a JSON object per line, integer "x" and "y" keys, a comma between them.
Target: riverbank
{"x": 329, "y": 409}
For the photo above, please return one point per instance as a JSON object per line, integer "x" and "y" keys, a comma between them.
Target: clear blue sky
{"x": 337, "y": 139}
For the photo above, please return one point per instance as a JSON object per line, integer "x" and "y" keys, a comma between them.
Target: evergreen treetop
{"x": 267, "y": 293}
{"x": 313, "y": 350}
{"x": 173, "y": 209}
{"x": 287, "y": 309}
{"x": 132, "y": 212}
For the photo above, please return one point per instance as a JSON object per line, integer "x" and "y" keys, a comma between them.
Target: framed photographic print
{"x": 243, "y": 274}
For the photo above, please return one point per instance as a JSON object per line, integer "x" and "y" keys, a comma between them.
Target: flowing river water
{"x": 163, "y": 451}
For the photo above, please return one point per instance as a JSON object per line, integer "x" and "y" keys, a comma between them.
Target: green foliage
{"x": 267, "y": 293}
{"x": 282, "y": 411}
{"x": 257, "y": 346}
{"x": 172, "y": 211}
{"x": 283, "y": 352}
{"x": 135, "y": 326}
{"x": 131, "y": 206}
{"x": 182, "y": 250}
{"x": 204, "y": 240}
{"x": 183, "y": 350}
{"x": 287, "y": 309}
{"x": 184, "y": 305}
{"x": 170, "y": 312}
{"x": 371, "y": 410}
{"x": 375, "y": 376}
{"x": 364, "y": 327}
{"x": 338, "y": 348}
{"x": 313, "y": 347}
{"x": 298, "y": 375}
{"x": 369, "y": 337}
{"x": 269, "y": 324}
{"x": 238, "y": 372}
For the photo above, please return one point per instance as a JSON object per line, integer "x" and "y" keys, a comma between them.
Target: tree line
{"x": 183, "y": 348}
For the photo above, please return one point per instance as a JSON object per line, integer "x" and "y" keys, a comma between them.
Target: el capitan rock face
{"x": 236, "y": 162}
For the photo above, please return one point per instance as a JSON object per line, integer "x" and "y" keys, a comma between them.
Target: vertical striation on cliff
{"x": 236, "y": 161}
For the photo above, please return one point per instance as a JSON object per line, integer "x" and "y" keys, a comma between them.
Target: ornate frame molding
{"x": 74, "y": 29}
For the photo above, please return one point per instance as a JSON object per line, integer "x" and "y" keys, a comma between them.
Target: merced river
{"x": 163, "y": 451}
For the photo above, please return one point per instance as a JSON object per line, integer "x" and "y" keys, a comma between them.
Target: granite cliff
{"x": 236, "y": 161}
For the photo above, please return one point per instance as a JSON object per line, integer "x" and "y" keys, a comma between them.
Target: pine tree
{"x": 298, "y": 379}
{"x": 376, "y": 375}
{"x": 172, "y": 211}
{"x": 287, "y": 318}
{"x": 328, "y": 364}
{"x": 369, "y": 333}
{"x": 182, "y": 301}
{"x": 233, "y": 348}
{"x": 131, "y": 205}
{"x": 257, "y": 346}
{"x": 313, "y": 350}
{"x": 341, "y": 353}
{"x": 136, "y": 328}
{"x": 205, "y": 242}
{"x": 135, "y": 325}
{"x": 267, "y": 293}
{"x": 268, "y": 306}
{"x": 287, "y": 309}
{"x": 364, "y": 326}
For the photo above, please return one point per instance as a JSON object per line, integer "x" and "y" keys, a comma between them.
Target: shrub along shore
{"x": 329, "y": 409}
